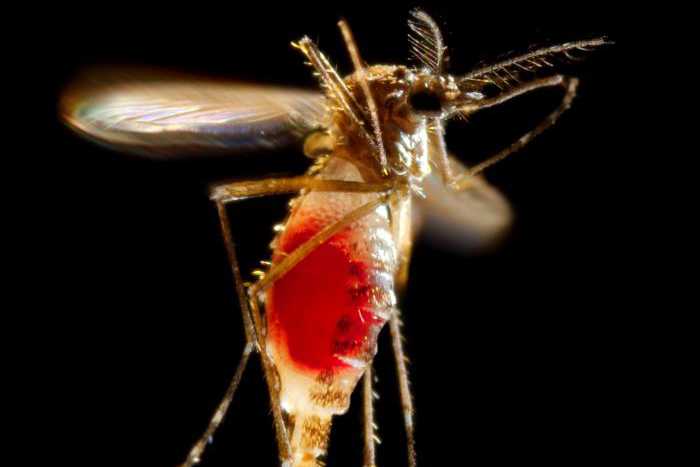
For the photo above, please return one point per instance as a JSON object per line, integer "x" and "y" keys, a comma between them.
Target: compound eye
{"x": 425, "y": 101}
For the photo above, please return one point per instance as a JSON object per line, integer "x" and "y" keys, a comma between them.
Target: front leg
{"x": 464, "y": 180}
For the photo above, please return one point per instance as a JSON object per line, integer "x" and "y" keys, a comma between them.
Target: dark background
{"x": 517, "y": 355}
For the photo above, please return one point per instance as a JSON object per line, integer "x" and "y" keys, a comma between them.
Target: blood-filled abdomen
{"x": 324, "y": 315}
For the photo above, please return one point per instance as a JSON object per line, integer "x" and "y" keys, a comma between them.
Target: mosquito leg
{"x": 253, "y": 335}
{"x": 200, "y": 445}
{"x": 236, "y": 191}
{"x": 438, "y": 153}
{"x": 404, "y": 388}
{"x": 401, "y": 224}
{"x": 198, "y": 448}
{"x": 371, "y": 104}
{"x": 370, "y": 437}
{"x": 463, "y": 181}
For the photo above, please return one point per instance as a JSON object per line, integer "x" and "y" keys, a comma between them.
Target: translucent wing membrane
{"x": 464, "y": 221}
{"x": 164, "y": 114}
{"x": 511, "y": 71}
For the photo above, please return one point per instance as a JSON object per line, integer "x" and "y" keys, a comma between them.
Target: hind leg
{"x": 200, "y": 445}
{"x": 368, "y": 409}
{"x": 463, "y": 181}
{"x": 404, "y": 385}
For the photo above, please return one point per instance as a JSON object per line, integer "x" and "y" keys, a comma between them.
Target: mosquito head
{"x": 386, "y": 117}
{"x": 410, "y": 104}
{"x": 438, "y": 95}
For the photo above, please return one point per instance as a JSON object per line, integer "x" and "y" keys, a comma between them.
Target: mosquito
{"x": 340, "y": 259}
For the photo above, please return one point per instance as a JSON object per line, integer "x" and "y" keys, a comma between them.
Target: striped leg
{"x": 401, "y": 222}
{"x": 404, "y": 387}
{"x": 370, "y": 436}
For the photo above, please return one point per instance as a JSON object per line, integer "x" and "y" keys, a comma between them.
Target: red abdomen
{"x": 321, "y": 310}
{"x": 324, "y": 315}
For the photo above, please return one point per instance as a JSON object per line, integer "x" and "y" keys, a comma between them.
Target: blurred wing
{"x": 464, "y": 221}
{"x": 165, "y": 114}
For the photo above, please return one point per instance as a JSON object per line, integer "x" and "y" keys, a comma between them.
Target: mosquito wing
{"x": 465, "y": 221}
{"x": 166, "y": 114}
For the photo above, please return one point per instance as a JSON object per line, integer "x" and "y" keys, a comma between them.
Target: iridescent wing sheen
{"x": 464, "y": 221}
{"x": 166, "y": 114}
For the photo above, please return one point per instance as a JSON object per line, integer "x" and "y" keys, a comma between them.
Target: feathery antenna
{"x": 425, "y": 39}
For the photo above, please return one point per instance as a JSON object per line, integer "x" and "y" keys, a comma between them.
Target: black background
{"x": 517, "y": 354}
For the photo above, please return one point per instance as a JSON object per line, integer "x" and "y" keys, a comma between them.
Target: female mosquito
{"x": 341, "y": 256}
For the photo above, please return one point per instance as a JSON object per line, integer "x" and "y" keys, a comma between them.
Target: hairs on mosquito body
{"x": 510, "y": 71}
